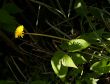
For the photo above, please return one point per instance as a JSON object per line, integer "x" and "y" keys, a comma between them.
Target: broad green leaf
{"x": 75, "y": 45}
{"x": 78, "y": 58}
{"x": 101, "y": 67}
{"x": 7, "y": 22}
{"x": 68, "y": 62}
{"x": 57, "y": 66}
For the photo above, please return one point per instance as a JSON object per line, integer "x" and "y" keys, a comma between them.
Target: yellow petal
{"x": 19, "y": 32}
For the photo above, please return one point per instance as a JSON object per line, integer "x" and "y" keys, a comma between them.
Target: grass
{"x": 53, "y": 24}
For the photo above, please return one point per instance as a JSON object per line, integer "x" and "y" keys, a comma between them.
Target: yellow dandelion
{"x": 19, "y": 32}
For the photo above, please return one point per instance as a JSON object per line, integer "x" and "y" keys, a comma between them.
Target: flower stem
{"x": 45, "y": 35}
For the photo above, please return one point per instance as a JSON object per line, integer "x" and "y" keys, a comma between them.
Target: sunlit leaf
{"x": 67, "y": 61}
{"x": 75, "y": 45}
{"x": 57, "y": 66}
{"x": 101, "y": 67}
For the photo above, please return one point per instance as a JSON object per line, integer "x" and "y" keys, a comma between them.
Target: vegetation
{"x": 54, "y": 42}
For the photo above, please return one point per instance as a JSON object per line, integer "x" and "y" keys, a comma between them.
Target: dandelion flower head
{"x": 19, "y": 32}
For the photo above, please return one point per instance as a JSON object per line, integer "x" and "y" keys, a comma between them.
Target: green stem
{"x": 44, "y": 35}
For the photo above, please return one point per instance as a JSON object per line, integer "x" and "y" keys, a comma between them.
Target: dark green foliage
{"x": 78, "y": 46}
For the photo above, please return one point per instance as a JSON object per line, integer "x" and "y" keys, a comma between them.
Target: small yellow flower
{"x": 19, "y": 32}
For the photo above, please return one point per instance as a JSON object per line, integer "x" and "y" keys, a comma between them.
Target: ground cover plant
{"x": 54, "y": 42}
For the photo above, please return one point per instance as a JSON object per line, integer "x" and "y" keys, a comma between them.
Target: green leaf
{"x": 7, "y": 22}
{"x": 12, "y": 8}
{"x": 91, "y": 80}
{"x": 57, "y": 66}
{"x": 78, "y": 58}
{"x": 68, "y": 62}
{"x": 77, "y": 72}
{"x": 80, "y": 7}
{"x": 101, "y": 67}
{"x": 92, "y": 37}
{"x": 5, "y": 17}
{"x": 75, "y": 45}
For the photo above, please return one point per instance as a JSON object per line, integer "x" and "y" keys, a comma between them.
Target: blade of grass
{"x": 54, "y": 10}
{"x": 12, "y": 71}
{"x": 62, "y": 22}
{"x": 70, "y": 6}
{"x": 62, "y": 12}
{"x": 55, "y": 28}
{"x": 38, "y": 15}
{"x": 18, "y": 68}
